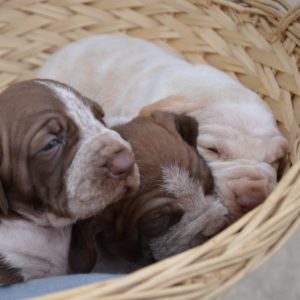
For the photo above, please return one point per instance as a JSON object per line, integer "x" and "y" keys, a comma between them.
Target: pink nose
{"x": 250, "y": 201}
{"x": 121, "y": 164}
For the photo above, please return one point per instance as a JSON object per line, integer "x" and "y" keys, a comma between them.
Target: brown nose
{"x": 250, "y": 201}
{"x": 121, "y": 164}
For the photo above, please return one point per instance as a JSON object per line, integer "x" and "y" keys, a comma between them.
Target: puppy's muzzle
{"x": 122, "y": 166}
{"x": 118, "y": 159}
{"x": 244, "y": 183}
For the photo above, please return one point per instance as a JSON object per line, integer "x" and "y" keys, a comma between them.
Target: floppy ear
{"x": 177, "y": 104}
{"x": 83, "y": 249}
{"x": 158, "y": 220}
{"x": 185, "y": 126}
{"x": 3, "y": 200}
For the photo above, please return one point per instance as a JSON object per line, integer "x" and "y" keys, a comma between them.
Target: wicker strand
{"x": 255, "y": 41}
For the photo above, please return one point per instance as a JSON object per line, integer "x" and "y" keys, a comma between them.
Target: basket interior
{"x": 256, "y": 42}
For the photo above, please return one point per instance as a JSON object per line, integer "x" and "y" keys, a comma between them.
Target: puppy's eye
{"x": 213, "y": 150}
{"x": 52, "y": 144}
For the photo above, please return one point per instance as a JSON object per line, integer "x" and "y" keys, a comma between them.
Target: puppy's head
{"x": 239, "y": 139}
{"x": 59, "y": 162}
{"x": 175, "y": 207}
{"x": 244, "y": 149}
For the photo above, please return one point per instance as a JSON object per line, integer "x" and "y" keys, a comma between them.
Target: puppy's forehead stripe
{"x": 178, "y": 181}
{"x": 76, "y": 109}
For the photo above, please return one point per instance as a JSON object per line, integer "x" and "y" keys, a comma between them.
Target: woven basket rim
{"x": 257, "y": 42}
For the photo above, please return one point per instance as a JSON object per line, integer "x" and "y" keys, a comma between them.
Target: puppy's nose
{"x": 250, "y": 201}
{"x": 121, "y": 164}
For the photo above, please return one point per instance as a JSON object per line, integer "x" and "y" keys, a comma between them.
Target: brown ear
{"x": 177, "y": 104}
{"x": 159, "y": 217}
{"x": 83, "y": 250}
{"x": 3, "y": 200}
{"x": 185, "y": 126}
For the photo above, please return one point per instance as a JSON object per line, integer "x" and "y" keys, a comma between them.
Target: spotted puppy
{"x": 59, "y": 164}
{"x": 175, "y": 208}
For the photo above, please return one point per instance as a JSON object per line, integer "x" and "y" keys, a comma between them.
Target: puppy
{"x": 237, "y": 131}
{"x": 59, "y": 164}
{"x": 175, "y": 208}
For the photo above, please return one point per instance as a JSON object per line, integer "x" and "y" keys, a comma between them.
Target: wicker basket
{"x": 255, "y": 41}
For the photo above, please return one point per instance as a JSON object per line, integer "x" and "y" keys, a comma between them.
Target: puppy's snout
{"x": 121, "y": 164}
{"x": 219, "y": 224}
{"x": 251, "y": 200}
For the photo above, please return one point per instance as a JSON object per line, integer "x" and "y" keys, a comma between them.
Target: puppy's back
{"x": 124, "y": 74}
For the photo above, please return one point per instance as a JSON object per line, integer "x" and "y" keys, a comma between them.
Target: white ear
{"x": 176, "y": 104}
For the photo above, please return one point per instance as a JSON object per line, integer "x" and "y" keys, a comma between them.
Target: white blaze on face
{"x": 204, "y": 215}
{"x": 188, "y": 190}
{"x": 88, "y": 187}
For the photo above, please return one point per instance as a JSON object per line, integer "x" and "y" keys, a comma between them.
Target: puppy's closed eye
{"x": 210, "y": 151}
{"x": 213, "y": 150}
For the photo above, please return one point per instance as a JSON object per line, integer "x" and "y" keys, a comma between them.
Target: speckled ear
{"x": 3, "y": 200}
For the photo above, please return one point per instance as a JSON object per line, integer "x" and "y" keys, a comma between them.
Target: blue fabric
{"x": 40, "y": 287}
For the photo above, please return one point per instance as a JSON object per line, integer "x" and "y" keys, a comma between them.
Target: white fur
{"x": 178, "y": 182}
{"x": 124, "y": 74}
{"x": 38, "y": 251}
{"x": 46, "y": 219}
{"x": 128, "y": 75}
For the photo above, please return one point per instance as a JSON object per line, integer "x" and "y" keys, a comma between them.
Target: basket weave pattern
{"x": 255, "y": 41}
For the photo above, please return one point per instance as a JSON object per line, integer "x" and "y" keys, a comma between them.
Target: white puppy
{"x": 237, "y": 131}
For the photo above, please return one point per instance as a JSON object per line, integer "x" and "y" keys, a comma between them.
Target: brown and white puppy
{"x": 59, "y": 164}
{"x": 237, "y": 131}
{"x": 175, "y": 208}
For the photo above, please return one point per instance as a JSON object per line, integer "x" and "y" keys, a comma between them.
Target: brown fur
{"x": 34, "y": 179}
{"x": 24, "y": 179}
{"x": 124, "y": 231}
